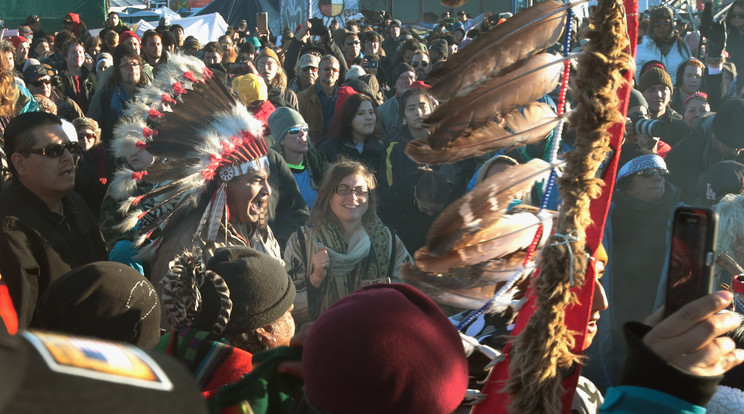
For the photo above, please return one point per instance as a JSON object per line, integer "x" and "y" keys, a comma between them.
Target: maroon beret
{"x": 386, "y": 348}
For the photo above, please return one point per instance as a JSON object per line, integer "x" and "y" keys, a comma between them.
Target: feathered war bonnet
{"x": 205, "y": 137}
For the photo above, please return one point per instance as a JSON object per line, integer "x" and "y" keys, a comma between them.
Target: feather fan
{"x": 482, "y": 207}
{"x": 516, "y": 39}
{"x": 503, "y": 94}
{"x": 518, "y": 128}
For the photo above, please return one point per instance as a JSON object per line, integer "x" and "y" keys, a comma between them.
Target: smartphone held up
{"x": 691, "y": 256}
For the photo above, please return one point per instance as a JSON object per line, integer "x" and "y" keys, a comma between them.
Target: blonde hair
{"x": 8, "y": 93}
{"x": 730, "y": 225}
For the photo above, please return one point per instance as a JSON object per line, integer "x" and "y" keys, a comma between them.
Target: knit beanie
{"x": 441, "y": 47}
{"x": 282, "y": 120}
{"x": 397, "y": 70}
{"x": 654, "y": 76}
{"x": 726, "y": 123}
{"x": 342, "y": 94}
{"x": 17, "y": 40}
{"x": 268, "y": 52}
{"x": 126, "y": 35}
{"x": 105, "y": 300}
{"x": 260, "y": 289}
{"x": 251, "y": 88}
{"x": 386, "y": 348}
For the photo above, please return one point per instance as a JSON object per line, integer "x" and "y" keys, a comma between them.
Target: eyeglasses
{"x": 648, "y": 172}
{"x": 423, "y": 63}
{"x": 40, "y": 82}
{"x": 309, "y": 69}
{"x": 343, "y": 190}
{"x": 87, "y": 135}
{"x": 296, "y": 130}
{"x": 739, "y": 15}
{"x": 55, "y": 150}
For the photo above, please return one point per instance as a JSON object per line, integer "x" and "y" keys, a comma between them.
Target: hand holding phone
{"x": 691, "y": 256}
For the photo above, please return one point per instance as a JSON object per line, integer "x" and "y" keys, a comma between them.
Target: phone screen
{"x": 689, "y": 259}
{"x": 262, "y": 22}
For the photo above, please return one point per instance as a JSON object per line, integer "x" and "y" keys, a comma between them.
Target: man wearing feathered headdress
{"x": 212, "y": 189}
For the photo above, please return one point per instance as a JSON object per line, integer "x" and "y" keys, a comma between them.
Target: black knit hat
{"x": 636, "y": 99}
{"x": 260, "y": 288}
{"x": 397, "y": 70}
{"x": 655, "y": 76}
{"x": 726, "y": 123}
{"x": 105, "y": 300}
{"x": 441, "y": 47}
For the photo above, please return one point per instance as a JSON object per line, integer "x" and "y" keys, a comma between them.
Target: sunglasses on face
{"x": 344, "y": 191}
{"x": 40, "y": 82}
{"x": 648, "y": 172}
{"x": 55, "y": 150}
{"x": 422, "y": 63}
{"x": 296, "y": 130}
{"x": 309, "y": 69}
{"x": 87, "y": 135}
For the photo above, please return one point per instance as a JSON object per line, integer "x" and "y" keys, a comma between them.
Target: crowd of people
{"x": 246, "y": 207}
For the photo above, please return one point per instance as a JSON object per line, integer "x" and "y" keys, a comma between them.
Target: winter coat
{"x": 648, "y": 50}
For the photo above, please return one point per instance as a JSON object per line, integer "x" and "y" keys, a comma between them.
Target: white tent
{"x": 205, "y": 28}
{"x": 150, "y": 15}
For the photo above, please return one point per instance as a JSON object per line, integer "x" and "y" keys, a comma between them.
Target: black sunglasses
{"x": 40, "y": 82}
{"x": 55, "y": 150}
{"x": 648, "y": 172}
{"x": 422, "y": 63}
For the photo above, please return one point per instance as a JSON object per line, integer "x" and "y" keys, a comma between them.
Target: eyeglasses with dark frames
{"x": 343, "y": 190}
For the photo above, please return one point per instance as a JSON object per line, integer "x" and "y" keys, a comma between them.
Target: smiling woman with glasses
{"x": 662, "y": 43}
{"x": 308, "y": 166}
{"x": 344, "y": 246}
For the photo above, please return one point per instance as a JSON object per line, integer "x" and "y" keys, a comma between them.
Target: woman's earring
{"x": 404, "y": 122}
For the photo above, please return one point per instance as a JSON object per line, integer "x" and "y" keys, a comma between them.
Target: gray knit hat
{"x": 282, "y": 120}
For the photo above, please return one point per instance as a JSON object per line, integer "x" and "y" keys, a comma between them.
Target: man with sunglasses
{"x": 46, "y": 228}
{"x": 38, "y": 79}
{"x": 352, "y": 48}
{"x": 421, "y": 64}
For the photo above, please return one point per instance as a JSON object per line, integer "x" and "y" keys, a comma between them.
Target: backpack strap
{"x": 391, "y": 266}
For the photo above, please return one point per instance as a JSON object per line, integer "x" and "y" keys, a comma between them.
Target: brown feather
{"x": 482, "y": 207}
{"x": 453, "y": 3}
{"x": 518, "y": 128}
{"x": 528, "y": 32}
{"x": 503, "y": 94}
